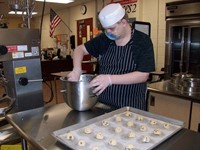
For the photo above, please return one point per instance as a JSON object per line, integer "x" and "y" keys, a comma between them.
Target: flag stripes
{"x": 54, "y": 21}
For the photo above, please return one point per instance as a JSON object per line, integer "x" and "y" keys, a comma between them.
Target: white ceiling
{"x": 4, "y": 7}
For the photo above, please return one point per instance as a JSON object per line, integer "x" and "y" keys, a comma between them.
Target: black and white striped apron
{"x": 120, "y": 60}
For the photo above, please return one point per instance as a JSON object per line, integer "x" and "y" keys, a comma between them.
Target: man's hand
{"x": 100, "y": 83}
{"x": 74, "y": 75}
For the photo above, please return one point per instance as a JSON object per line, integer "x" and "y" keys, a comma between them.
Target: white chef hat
{"x": 111, "y": 14}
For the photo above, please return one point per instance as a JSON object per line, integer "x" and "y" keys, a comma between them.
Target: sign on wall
{"x": 129, "y": 5}
{"x": 122, "y": 2}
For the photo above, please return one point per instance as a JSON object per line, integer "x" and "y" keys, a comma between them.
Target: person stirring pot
{"x": 125, "y": 58}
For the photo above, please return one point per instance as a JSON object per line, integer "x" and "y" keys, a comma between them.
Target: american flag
{"x": 54, "y": 21}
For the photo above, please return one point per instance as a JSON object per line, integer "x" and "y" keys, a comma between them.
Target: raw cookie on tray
{"x": 153, "y": 122}
{"x": 105, "y": 123}
{"x": 130, "y": 147}
{"x": 157, "y": 132}
{"x": 131, "y": 134}
{"x": 69, "y": 136}
{"x": 87, "y": 130}
{"x": 146, "y": 139}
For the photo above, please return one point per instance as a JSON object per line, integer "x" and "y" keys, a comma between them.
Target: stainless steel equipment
{"x": 182, "y": 38}
{"x": 178, "y": 77}
{"x": 38, "y": 124}
{"x": 190, "y": 85}
{"x": 21, "y": 67}
{"x": 78, "y": 95}
{"x": 20, "y": 54}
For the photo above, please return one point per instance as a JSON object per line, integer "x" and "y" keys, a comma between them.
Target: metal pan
{"x": 96, "y": 125}
{"x": 189, "y": 89}
{"x": 181, "y": 75}
{"x": 190, "y": 82}
{"x": 178, "y": 77}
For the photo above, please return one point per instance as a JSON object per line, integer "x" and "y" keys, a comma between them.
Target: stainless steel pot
{"x": 181, "y": 75}
{"x": 177, "y": 77}
{"x": 190, "y": 82}
{"x": 189, "y": 89}
{"x": 77, "y": 94}
{"x": 190, "y": 85}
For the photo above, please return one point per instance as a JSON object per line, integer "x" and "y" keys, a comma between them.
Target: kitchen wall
{"x": 152, "y": 11}
{"x": 70, "y": 17}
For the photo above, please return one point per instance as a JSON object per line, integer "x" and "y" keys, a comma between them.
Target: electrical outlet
{"x": 152, "y": 100}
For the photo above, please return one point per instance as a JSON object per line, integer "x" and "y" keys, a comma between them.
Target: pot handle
{"x": 63, "y": 91}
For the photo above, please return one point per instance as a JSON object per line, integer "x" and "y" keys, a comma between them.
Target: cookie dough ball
{"x": 129, "y": 124}
{"x": 81, "y": 143}
{"x": 112, "y": 142}
{"x": 146, "y": 139}
{"x": 140, "y": 118}
{"x": 99, "y": 136}
{"x": 156, "y": 132}
{"x": 143, "y": 128}
{"x": 95, "y": 148}
{"x": 128, "y": 113}
{"x": 70, "y": 136}
{"x": 166, "y": 125}
{"x": 118, "y": 119}
{"x": 131, "y": 134}
{"x": 87, "y": 130}
{"x": 130, "y": 147}
{"x": 105, "y": 123}
{"x": 118, "y": 129}
{"x": 153, "y": 122}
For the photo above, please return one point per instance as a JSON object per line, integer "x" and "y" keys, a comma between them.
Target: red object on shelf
{"x": 87, "y": 67}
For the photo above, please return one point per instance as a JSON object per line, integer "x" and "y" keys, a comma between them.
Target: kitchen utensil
{"x": 102, "y": 130}
{"x": 77, "y": 94}
{"x": 190, "y": 85}
{"x": 177, "y": 77}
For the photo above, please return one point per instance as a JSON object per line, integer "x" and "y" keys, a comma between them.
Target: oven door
{"x": 182, "y": 46}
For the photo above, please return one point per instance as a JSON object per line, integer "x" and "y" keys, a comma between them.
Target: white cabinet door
{"x": 195, "y": 121}
{"x": 169, "y": 106}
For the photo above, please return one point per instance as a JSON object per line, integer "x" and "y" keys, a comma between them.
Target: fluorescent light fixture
{"x": 57, "y": 1}
{"x": 20, "y": 13}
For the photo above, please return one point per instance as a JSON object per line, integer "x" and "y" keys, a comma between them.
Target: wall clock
{"x": 83, "y": 9}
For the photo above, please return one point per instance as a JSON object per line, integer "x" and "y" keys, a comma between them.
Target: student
{"x": 125, "y": 58}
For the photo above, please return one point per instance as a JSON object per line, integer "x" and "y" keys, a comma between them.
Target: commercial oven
{"x": 182, "y": 38}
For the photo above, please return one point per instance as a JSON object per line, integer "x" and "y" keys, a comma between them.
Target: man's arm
{"x": 78, "y": 55}
{"x": 102, "y": 81}
{"x": 130, "y": 78}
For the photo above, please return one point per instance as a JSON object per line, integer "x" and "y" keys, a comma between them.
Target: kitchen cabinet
{"x": 169, "y": 106}
{"x": 195, "y": 119}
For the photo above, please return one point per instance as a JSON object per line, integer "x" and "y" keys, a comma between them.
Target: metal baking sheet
{"x": 115, "y": 131}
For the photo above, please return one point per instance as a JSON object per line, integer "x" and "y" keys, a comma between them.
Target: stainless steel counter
{"x": 36, "y": 127}
{"x": 166, "y": 87}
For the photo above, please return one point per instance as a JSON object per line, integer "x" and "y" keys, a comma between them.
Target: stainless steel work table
{"x": 167, "y": 88}
{"x": 36, "y": 126}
